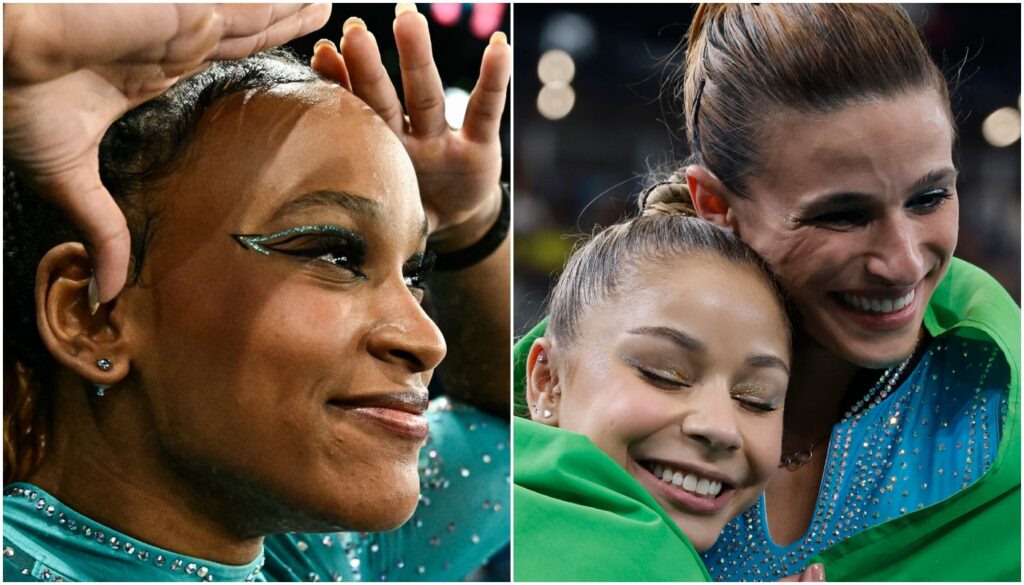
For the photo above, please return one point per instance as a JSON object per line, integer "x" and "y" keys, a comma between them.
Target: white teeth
{"x": 877, "y": 305}
{"x": 702, "y": 486}
{"x": 688, "y": 481}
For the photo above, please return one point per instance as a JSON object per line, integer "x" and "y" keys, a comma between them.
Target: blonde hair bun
{"x": 668, "y": 197}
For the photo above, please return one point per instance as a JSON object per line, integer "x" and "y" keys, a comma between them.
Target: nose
{"x": 404, "y": 334}
{"x": 895, "y": 257}
{"x": 712, "y": 422}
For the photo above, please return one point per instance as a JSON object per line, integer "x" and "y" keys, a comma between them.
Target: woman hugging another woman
{"x": 822, "y": 137}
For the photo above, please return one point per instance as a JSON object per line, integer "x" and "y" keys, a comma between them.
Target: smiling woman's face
{"x": 857, "y": 214}
{"x": 682, "y": 383}
{"x": 285, "y": 374}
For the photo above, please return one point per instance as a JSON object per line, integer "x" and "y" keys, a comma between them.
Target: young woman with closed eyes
{"x": 822, "y": 136}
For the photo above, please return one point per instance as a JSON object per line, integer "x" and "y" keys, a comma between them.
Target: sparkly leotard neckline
{"x": 932, "y": 436}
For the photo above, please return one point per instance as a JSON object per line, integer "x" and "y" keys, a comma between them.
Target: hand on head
{"x": 59, "y": 99}
{"x": 458, "y": 169}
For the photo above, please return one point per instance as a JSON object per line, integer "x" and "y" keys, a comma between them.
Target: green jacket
{"x": 973, "y": 535}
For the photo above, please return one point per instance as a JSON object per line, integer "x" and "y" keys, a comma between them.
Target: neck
{"x": 818, "y": 387}
{"x": 101, "y": 462}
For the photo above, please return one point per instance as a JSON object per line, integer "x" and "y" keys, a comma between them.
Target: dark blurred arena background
{"x": 585, "y": 140}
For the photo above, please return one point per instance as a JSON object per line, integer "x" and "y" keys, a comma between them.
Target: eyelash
{"x": 849, "y": 218}
{"x": 661, "y": 381}
{"x": 332, "y": 245}
{"x": 417, "y": 269}
{"x": 665, "y": 383}
{"x": 758, "y": 407}
{"x": 337, "y": 247}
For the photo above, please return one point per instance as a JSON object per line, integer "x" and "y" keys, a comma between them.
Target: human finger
{"x": 250, "y": 28}
{"x": 487, "y": 102}
{"x": 814, "y": 572}
{"x": 424, "y": 93}
{"x": 329, "y": 63}
{"x": 91, "y": 208}
{"x": 369, "y": 78}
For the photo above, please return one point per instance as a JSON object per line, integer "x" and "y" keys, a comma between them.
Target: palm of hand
{"x": 59, "y": 99}
{"x": 457, "y": 176}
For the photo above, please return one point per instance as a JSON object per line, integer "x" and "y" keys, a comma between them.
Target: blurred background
{"x": 459, "y": 34}
{"x": 589, "y": 126}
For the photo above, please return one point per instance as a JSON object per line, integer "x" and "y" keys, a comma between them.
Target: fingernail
{"x": 324, "y": 43}
{"x": 353, "y": 21}
{"x": 499, "y": 38}
{"x": 94, "y": 296}
{"x": 404, "y": 7}
{"x": 819, "y": 571}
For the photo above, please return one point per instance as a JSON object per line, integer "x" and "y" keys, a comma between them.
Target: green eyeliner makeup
{"x": 264, "y": 244}
{"x": 332, "y": 245}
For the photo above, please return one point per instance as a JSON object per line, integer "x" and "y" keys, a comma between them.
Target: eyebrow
{"x": 763, "y": 360}
{"x": 689, "y": 343}
{"x": 339, "y": 199}
{"x": 674, "y": 335}
{"x": 855, "y": 198}
{"x": 328, "y": 198}
{"x": 934, "y": 177}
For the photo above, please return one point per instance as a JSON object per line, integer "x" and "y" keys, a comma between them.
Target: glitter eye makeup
{"x": 333, "y": 245}
{"x": 416, "y": 269}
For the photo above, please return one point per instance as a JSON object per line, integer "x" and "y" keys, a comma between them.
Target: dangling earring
{"x": 101, "y": 389}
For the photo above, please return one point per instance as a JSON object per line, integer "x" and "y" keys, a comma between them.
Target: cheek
{"x": 799, "y": 259}
{"x": 247, "y": 358}
{"x": 611, "y": 409}
{"x": 762, "y": 440}
{"x": 944, "y": 227}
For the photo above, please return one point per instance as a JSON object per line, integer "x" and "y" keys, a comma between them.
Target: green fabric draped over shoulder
{"x": 580, "y": 517}
{"x": 975, "y": 534}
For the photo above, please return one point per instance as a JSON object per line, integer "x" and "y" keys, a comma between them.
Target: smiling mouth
{"x": 874, "y": 304}
{"x": 691, "y": 482}
{"x": 687, "y": 489}
{"x": 399, "y": 413}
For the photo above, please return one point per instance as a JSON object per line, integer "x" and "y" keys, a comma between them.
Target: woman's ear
{"x": 90, "y": 345}
{"x": 543, "y": 389}
{"x": 711, "y": 198}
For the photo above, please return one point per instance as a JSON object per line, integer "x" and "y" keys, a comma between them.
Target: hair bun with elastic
{"x": 668, "y": 197}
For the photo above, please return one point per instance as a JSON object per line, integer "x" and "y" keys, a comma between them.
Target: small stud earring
{"x": 547, "y": 413}
{"x": 542, "y": 358}
{"x": 104, "y": 364}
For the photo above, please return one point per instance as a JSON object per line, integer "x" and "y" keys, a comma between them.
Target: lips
{"x": 399, "y": 413}
{"x": 879, "y": 310}
{"x": 697, "y": 491}
{"x": 877, "y": 305}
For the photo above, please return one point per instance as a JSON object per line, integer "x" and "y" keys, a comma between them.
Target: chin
{"x": 698, "y": 531}
{"x": 865, "y": 349}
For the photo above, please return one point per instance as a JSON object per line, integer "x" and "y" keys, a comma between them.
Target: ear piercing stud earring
{"x": 542, "y": 358}
{"x": 104, "y": 364}
{"x": 547, "y": 413}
